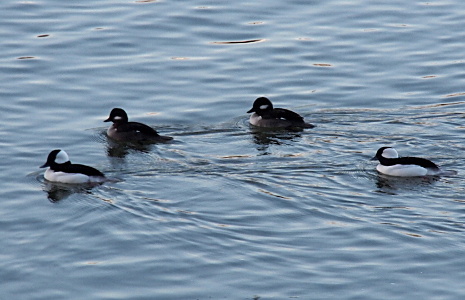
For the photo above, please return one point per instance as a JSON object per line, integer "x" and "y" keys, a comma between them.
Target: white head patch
{"x": 61, "y": 157}
{"x": 117, "y": 118}
{"x": 390, "y": 153}
{"x": 263, "y": 107}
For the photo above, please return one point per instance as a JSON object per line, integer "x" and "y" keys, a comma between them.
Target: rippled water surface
{"x": 226, "y": 211}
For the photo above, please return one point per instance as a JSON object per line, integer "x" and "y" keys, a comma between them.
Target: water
{"x": 226, "y": 211}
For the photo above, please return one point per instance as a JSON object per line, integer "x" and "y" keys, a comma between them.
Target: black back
{"x": 422, "y": 162}
{"x": 136, "y": 126}
{"x": 282, "y": 113}
{"x": 68, "y": 167}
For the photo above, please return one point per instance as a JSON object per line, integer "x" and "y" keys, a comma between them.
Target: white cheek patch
{"x": 390, "y": 153}
{"x": 62, "y": 157}
{"x": 263, "y": 107}
{"x": 117, "y": 118}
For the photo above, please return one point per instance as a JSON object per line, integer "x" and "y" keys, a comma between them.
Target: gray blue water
{"x": 225, "y": 211}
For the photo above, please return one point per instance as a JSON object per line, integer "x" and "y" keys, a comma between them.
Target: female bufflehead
{"x": 391, "y": 164}
{"x": 60, "y": 169}
{"x": 264, "y": 115}
{"x": 124, "y": 131}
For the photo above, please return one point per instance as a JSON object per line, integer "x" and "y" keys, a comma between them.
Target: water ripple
{"x": 226, "y": 210}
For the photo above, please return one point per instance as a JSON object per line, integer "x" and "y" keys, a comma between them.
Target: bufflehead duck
{"x": 264, "y": 115}
{"x": 60, "y": 169}
{"x": 124, "y": 131}
{"x": 391, "y": 164}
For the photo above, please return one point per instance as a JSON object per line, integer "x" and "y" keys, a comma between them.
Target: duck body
{"x": 265, "y": 115}
{"x": 391, "y": 164}
{"x": 60, "y": 169}
{"x": 124, "y": 131}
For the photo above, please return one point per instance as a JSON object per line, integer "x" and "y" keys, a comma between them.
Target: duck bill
{"x": 374, "y": 158}
{"x": 107, "y": 120}
{"x": 44, "y": 165}
{"x": 251, "y": 110}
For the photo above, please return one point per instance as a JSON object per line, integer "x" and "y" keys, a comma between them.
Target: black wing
{"x": 77, "y": 168}
{"x": 138, "y": 127}
{"x": 282, "y": 113}
{"x": 417, "y": 161}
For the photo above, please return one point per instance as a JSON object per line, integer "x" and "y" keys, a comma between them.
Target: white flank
{"x": 403, "y": 170}
{"x": 63, "y": 177}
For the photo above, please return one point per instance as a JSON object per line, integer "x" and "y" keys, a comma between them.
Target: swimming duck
{"x": 124, "y": 131}
{"x": 264, "y": 115}
{"x": 60, "y": 169}
{"x": 391, "y": 164}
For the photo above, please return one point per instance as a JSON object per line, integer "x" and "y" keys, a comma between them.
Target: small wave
{"x": 239, "y": 42}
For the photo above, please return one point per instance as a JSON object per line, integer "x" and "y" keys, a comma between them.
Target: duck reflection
{"x": 57, "y": 192}
{"x": 264, "y": 137}
{"x": 120, "y": 150}
{"x": 389, "y": 184}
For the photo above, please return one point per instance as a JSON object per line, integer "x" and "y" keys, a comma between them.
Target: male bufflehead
{"x": 391, "y": 164}
{"x": 60, "y": 169}
{"x": 124, "y": 131}
{"x": 264, "y": 115}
